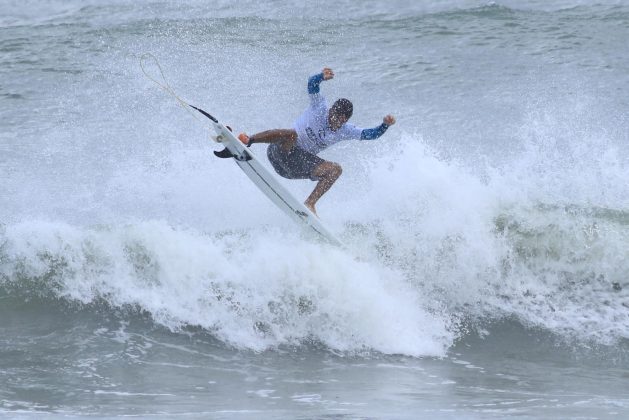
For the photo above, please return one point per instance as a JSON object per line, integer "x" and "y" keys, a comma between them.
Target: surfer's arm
{"x": 269, "y": 136}
{"x": 374, "y": 133}
{"x": 315, "y": 81}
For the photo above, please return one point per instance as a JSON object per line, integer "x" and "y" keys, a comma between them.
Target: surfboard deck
{"x": 270, "y": 185}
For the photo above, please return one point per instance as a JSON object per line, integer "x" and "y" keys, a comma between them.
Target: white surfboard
{"x": 269, "y": 184}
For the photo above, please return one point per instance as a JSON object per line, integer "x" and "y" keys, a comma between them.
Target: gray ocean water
{"x": 487, "y": 232}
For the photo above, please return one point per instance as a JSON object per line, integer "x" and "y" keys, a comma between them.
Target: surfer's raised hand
{"x": 389, "y": 120}
{"x": 327, "y": 73}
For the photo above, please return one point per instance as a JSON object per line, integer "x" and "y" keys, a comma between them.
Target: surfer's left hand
{"x": 389, "y": 120}
{"x": 243, "y": 138}
{"x": 327, "y": 73}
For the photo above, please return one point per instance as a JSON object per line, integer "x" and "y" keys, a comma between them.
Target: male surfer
{"x": 293, "y": 153}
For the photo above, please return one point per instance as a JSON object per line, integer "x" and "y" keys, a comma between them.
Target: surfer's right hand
{"x": 243, "y": 138}
{"x": 327, "y": 73}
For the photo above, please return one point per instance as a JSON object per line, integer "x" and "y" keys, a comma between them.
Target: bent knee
{"x": 333, "y": 169}
{"x": 327, "y": 170}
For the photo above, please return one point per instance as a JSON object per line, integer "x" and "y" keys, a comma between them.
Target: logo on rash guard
{"x": 320, "y": 139}
{"x": 311, "y": 135}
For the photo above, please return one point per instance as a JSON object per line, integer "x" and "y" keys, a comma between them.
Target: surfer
{"x": 293, "y": 152}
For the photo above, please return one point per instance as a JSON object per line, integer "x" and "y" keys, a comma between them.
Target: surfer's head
{"x": 340, "y": 112}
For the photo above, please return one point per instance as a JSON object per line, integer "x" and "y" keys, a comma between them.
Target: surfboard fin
{"x": 225, "y": 153}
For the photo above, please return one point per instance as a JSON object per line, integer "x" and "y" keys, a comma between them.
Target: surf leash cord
{"x": 165, "y": 86}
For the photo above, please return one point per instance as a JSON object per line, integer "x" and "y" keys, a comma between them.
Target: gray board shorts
{"x": 295, "y": 164}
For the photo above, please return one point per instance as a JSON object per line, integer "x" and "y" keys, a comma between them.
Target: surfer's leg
{"x": 327, "y": 173}
{"x": 295, "y": 163}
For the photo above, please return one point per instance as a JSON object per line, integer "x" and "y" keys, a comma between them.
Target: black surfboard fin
{"x": 224, "y": 154}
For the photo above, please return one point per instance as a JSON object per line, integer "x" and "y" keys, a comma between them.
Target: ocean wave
{"x": 446, "y": 247}
{"x": 253, "y": 290}
{"x": 410, "y": 284}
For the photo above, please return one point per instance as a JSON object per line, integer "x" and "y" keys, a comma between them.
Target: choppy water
{"x": 486, "y": 274}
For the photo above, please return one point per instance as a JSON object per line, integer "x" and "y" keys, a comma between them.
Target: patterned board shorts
{"x": 295, "y": 164}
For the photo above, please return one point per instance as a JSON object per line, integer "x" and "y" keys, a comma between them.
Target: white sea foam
{"x": 439, "y": 247}
{"x": 256, "y": 291}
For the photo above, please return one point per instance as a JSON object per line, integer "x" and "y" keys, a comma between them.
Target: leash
{"x": 165, "y": 86}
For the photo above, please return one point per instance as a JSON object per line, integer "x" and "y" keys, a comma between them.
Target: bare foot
{"x": 311, "y": 207}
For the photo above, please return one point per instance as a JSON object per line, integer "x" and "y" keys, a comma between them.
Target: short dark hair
{"x": 343, "y": 107}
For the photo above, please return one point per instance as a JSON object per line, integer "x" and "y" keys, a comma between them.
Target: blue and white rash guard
{"x": 313, "y": 131}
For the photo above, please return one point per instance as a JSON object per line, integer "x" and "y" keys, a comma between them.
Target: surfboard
{"x": 268, "y": 183}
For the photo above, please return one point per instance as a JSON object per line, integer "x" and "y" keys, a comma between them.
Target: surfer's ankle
{"x": 311, "y": 207}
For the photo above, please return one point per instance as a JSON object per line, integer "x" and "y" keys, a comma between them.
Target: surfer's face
{"x": 336, "y": 121}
